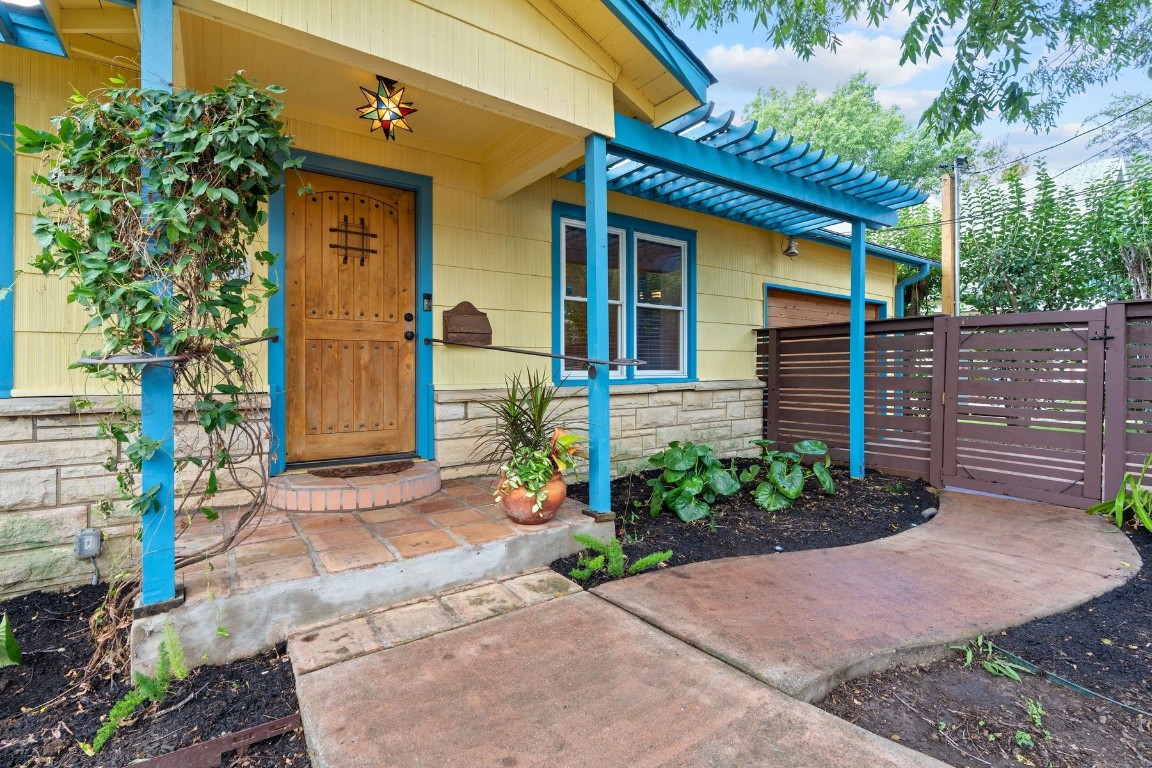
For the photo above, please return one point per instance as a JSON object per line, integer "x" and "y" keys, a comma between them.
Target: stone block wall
{"x": 52, "y": 480}
{"x": 726, "y": 415}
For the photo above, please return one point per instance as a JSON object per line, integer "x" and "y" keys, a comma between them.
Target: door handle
{"x": 409, "y": 334}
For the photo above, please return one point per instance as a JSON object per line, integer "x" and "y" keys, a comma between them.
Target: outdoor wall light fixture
{"x": 791, "y": 251}
{"x": 386, "y": 108}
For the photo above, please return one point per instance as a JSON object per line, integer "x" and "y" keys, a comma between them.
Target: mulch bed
{"x": 861, "y": 510}
{"x": 52, "y": 629}
{"x": 1104, "y": 645}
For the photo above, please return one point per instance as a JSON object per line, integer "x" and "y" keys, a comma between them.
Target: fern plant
{"x": 610, "y": 558}
{"x": 169, "y": 664}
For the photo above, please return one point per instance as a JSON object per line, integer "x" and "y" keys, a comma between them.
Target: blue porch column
{"x": 599, "y": 423}
{"x": 158, "y": 538}
{"x": 856, "y": 353}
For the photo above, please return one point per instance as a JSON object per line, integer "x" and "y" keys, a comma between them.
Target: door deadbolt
{"x": 409, "y": 335}
{"x": 408, "y": 317}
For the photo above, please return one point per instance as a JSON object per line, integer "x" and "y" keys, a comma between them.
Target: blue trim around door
{"x": 881, "y": 313}
{"x": 277, "y": 243}
{"x": 7, "y": 238}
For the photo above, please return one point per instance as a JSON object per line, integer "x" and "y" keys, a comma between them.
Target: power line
{"x": 1071, "y": 138}
{"x": 1009, "y": 209}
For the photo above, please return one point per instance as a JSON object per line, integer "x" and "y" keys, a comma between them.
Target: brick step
{"x": 302, "y": 492}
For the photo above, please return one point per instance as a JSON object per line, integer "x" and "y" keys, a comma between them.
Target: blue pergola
{"x": 704, "y": 162}
{"x": 29, "y": 26}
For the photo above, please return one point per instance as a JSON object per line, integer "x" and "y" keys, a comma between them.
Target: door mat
{"x": 382, "y": 468}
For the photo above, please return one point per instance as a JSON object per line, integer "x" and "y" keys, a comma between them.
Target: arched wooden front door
{"x": 350, "y": 299}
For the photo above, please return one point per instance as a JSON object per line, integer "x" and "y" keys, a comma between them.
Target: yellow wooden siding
{"x": 48, "y": 329}
{"x": 503, "y": 55}
{"x": 496, "y": 254}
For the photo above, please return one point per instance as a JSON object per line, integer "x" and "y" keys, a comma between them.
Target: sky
{"x": 742, "y": 61}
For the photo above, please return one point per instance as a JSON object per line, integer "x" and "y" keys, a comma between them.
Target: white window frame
{"x": 628, "y": 302}
{"x": 581, "y": 372}
{"x": 682, "y": 308}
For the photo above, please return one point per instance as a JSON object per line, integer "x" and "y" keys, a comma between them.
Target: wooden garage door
{"x": 789, "y": 308}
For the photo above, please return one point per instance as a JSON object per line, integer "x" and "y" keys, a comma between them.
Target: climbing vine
{"x": 151, "y": 206}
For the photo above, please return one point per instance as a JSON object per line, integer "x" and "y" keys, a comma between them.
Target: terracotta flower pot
{"x": 517, "y": 504}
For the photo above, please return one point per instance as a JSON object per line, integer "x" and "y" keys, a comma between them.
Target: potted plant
{"x": 527, "y": 439}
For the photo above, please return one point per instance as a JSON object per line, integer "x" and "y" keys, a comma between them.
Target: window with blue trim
{"x": 650, "y": 295}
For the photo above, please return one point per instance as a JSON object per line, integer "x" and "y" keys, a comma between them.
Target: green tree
{"x": 1118, "y": 223}
{"x": 851, "y": 122}
{"x": 1128, "y": 129}
{"x": 917, "y": 231}
{"x": 1028, "y": 249}
{"x": 1020, "y": 60}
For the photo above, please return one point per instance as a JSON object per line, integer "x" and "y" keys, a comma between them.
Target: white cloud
{"x": 749, "y": 68}
{"x": 912, "y": 102}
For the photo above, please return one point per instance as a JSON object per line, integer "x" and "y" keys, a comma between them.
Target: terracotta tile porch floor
{"x": 287, "y": 546}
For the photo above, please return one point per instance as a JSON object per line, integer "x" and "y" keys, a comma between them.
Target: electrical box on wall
{"x": 88, "y": 543}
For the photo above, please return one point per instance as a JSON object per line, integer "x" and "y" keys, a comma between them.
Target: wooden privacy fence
{"x": 1051, "y": 406}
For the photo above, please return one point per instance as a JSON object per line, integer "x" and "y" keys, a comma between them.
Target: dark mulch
{"x": 1104, "y": 645}
{"x": 966, "y": 717}
{"x": 211, "y": 701}
{"x": 861, "y": 510}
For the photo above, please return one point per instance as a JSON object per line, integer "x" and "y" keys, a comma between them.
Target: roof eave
{"x": 670, "y": 50}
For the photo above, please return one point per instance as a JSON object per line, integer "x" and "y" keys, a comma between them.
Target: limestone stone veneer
{"x": 726, "y": 415}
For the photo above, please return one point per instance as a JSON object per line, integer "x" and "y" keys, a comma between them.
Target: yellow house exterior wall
{"x": 498, "y": 255}
{"x": 47, "y": 327}
{"x": 504, "y": 54}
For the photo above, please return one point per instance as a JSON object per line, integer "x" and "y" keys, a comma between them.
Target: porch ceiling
{"x": 706, "y": 163}
{"x": 325, "y": 92}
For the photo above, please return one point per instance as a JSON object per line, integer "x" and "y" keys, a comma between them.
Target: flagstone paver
{"x": 804, "y": 621}
{"x": 709, "y": 664}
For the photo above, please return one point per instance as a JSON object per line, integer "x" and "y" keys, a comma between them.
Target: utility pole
{"x": 948, "y": 270}
{"x": 950, "y": 236}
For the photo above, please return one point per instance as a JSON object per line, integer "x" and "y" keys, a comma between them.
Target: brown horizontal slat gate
{"x": 1051, "y": 406}
{"x": 1024, "y": 405}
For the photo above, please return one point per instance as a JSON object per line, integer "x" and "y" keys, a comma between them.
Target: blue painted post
{"x": 856, "y": 354}
{"x": 599, "y": 423}
{"x": 156, "y": 383}
{"x": 7, "y": 237}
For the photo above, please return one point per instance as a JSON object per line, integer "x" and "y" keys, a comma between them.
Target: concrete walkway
{"x": 702, "y": 665}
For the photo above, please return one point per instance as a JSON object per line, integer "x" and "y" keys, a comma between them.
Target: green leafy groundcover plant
{"x": 691, "y": 480}
{"x": 151, "y": 205}
{"x": 10, "y": 654}
{"x": 787, "y": 473}
{"x": 1133, "y": 496}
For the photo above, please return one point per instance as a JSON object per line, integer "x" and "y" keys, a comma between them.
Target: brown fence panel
{"x": 805, "y": 371}
{"x": 1024, "y": 404}
{"x": 1051, "y": 406}
{"x": 1128, "y": 409}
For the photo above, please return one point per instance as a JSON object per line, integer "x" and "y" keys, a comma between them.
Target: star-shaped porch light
{"x": 385, "y": 108}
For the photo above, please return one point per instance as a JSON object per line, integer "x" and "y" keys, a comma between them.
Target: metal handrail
{"x": 153, "y": 359}
{"x": 626, "y": 361}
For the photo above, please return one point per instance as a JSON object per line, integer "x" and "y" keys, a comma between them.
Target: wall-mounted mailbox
{"x": 467, "y": 324}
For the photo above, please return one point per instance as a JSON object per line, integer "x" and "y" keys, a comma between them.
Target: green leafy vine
{"x": 151, "y": 204}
